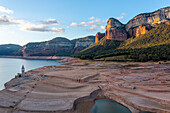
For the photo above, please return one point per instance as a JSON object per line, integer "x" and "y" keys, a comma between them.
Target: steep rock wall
{"x": 115, "y": 30}
{"x": 99, "y": 36}
{"x": 138, "y": 25}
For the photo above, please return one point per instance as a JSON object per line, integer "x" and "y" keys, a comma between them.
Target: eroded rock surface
{"x": 70, "y": 87}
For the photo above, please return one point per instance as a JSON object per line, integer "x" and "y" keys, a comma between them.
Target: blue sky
{"x": 23, "y": 21}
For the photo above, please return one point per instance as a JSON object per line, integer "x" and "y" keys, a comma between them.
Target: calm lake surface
{"x": 108, "y": 106}
{"x": 9, "y": 67}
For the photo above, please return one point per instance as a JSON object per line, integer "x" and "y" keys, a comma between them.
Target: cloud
{"x": 41, "y": 28}
{"x": 57, "y": 30}
{"x": 123, "y": 14}
{"x": 5, "y": 10}
{"x": 74, "y": 24}
{"x": 34, "y": 27}
{"x": 6, "y": 20}
{"x": 50, "y": 22}
{"x": 92, "y": 24}
{"x": 120, "y": 18}
{"x": 91, "y": 18}
{"x": 44, "y": 26}
{"x": 102, "y": 28}
{"x": 92, "y": 29}
{"x": 96, "y": 22}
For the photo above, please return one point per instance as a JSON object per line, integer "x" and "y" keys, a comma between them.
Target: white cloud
{"x": 102, "y": 28}
{"x": 57, "y": 30}
{"x": 123, "y": 14}
{"x": 6, "y": 20}
{"x": 44, "y": 26}
{"x": 50, "y": 22}
{"x": 74, "y": 24}
{"x": 33, "y": 27}
{"x": 92, "y": 29}
{"x": 5, "y": 10}
{"x": 120, "y": 18}
{"x": 40, "y": 28}
{"x": 95, "y": 25}
{"x": 91, "y": 18}
{"x": 95, "y": 22}
{"x": 92, "y": 24}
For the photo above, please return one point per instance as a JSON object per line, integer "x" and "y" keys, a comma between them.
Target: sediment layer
{"x": 69, "y": 87}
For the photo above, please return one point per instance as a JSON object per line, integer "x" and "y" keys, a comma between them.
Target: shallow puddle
{"x": 108, "y": 106}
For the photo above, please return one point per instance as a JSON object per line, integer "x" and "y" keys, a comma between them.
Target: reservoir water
{"x": 108, "y": 106}
{"x": 9, "y": 67}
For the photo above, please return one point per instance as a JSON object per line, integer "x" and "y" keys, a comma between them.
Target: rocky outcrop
{"x": 161, "y": 15}
{"x": 140, "y": 24}
{"x": 99, "y": 36}
{"x": 115, "y": 30}
{"x": 142, "y": 29}
{"x": 146, "y": 21}
{"x": 58, "y": 46}
{"x": 116, "y": 34}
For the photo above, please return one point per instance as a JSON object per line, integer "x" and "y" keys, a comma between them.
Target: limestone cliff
{"x": 161, "y": 15}
{"x": 147, "y": 21}
{"x": 99, "y": 36}
{"x": 137, "y": 31}
{"x": 137, "y": 26}
{"x": 115, "y": 30}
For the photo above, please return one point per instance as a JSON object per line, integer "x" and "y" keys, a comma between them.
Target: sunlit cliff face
{"x": 23, "y": 51}
{"x": 141, "y": 30}
{"x": 115, "y": 30}
{"x": 137, "y": 26}
{"x": 113, "y": 23}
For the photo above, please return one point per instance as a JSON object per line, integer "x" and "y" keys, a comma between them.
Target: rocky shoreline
{"x": 77, "y": 83}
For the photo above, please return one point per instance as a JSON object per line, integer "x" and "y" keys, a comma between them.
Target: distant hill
{"x": 59, "y": 46}
{"x": 9, "y": 49}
